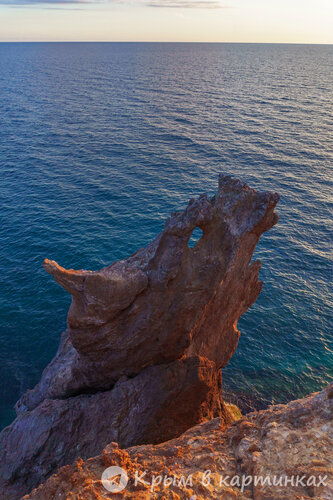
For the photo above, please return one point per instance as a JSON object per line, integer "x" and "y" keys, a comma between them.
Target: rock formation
{"x": 147, "y": 336}
{"x": 280, "y": 444}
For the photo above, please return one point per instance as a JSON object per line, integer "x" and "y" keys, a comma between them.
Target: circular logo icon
{"x": 114, "y": 479}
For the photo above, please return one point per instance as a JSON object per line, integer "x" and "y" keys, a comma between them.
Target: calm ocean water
{"x": 99, "y": 142}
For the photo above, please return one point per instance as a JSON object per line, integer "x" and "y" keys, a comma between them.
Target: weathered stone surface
{"x": 160, "y": 401}
{"x": 165, "y": 301}
{"x": 293, "y": 440}
{"x": 160, "y": 324}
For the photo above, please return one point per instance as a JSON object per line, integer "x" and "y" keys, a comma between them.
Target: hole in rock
{"x": 195, "y": 237}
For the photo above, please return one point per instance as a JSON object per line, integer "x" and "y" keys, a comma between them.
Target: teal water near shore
{"x": 100, "y": 142}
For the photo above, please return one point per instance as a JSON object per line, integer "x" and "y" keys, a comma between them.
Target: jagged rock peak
{"x": 141, "y": 359}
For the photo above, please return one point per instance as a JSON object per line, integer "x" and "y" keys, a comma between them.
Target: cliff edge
{"x": 141, "y": 359}
{"x": 283, "y": 453}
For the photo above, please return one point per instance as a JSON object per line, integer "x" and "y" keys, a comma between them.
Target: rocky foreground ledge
{"x": 283, "y": 453}
{"x": 141, "y": 359}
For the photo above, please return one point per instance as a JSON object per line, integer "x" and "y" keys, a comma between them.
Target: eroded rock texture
{"x": 280, "y": 444}
{"x": 140, "y": 361}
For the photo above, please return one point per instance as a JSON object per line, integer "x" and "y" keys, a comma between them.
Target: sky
{"x": 271, "y": 21}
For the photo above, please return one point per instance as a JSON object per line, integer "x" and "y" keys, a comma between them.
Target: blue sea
{"x": 101, "y": 141}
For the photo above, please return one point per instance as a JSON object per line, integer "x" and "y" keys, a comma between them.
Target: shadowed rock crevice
{"x": 146, "y": 339}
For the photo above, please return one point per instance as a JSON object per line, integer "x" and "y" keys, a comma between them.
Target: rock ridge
{"x": 285, "y": 441}
{"x": 146, "y": 340}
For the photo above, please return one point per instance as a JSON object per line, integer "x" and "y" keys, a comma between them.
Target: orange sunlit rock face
{"x": 147, "y": 337}
{"x": 294, "y": 439}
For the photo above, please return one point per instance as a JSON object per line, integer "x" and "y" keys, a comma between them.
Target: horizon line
{"x": 162, "y": 41}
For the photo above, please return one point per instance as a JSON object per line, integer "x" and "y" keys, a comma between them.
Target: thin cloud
{"x": 18, "y": 3}
{"x": 187, "y": 4}
{"x": 35, "y": 2}
{"x": 171, "y": 4}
